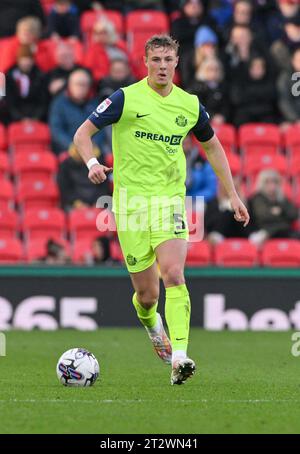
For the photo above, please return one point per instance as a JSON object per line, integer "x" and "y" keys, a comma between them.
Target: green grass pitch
{"x": 246, "y": 382}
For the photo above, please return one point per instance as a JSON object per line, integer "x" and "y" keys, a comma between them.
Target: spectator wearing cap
{"x": 211, "y": 89}
{"x": 63, "y": 20}
{"x": 288, "y": 96}
{"x": 183, "y": 29}
{"x": 70, "y": 109}
{"x": 26, "y": 95}
{"x": 283, "y": 48}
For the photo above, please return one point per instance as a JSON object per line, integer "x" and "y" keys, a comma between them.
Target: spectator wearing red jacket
{"x": 28, "y": 32}
{"x": 104, "y": 47}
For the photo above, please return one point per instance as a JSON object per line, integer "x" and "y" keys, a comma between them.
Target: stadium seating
{"x": 89, "y": 18}
{"x": 294, "y": 165}
{"x": 34, "y": 165}
{"x": 82, "y": 251}
{"x": 116, "y": 251}
{"x": 29, "y": 132}
{"x": 235, "y": 162}
{"x": 199, "y": 254}
{"x": 47, "y": 5}
{"x": 44, "y": 223}
{"x": 4, "y": 165}
{"x": 140, "y": 26}
{"x": 254, "y": 138}
{"x": 236, "y": 252}
{"x": 6, "y": 194}
{"x": 8, "y": 223}
{"x": 253, "y": 164}
{"x": 291, "y": 139}
{"x": 83, "y": 223}
{"x": 3, "y": 135}
{"x": 281, "y": 253}
{"x": 42, "y": 193}
{"x": 227, "y": 135}
{"x": 36, "y": 249}
{"x": 11, "y": 250}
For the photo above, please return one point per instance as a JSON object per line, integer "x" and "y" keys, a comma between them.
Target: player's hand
{"x": 240, "y": 211}
{"x": 98, "y": 173}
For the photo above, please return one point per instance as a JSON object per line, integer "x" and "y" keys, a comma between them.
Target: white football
{"x": 77, "y": 367}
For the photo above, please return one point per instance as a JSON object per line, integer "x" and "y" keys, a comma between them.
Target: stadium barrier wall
{"x": 49, "y": 298}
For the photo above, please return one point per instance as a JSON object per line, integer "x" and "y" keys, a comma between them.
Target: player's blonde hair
{"x": 164, "y": 41}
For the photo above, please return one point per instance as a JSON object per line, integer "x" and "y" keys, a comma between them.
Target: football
{"x": 77, "y": 367}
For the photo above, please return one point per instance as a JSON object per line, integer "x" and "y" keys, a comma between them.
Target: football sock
{"x": 177, "y": 311}
{"x": 147, "y": 316}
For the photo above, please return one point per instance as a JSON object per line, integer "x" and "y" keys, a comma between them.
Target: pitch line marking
{"x": 119, "y": 401}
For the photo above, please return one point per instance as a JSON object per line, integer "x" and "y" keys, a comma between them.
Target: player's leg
{"x": 171, "y": 255}
{"x": 145, "y": 300}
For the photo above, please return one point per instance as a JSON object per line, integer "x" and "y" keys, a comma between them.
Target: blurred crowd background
{"x": 61, "y": 58}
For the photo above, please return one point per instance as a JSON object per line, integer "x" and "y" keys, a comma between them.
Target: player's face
{"x": 161, "y": 63}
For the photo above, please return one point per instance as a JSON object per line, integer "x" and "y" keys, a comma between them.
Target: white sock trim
{"x": 178, "y": 354}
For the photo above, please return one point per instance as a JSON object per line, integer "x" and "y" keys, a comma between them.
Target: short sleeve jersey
{"x": 148, "y": 131}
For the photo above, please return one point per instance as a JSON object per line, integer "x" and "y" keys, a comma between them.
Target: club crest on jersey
{"x": 181, "y": 120}
{"x": 104, "y": 105}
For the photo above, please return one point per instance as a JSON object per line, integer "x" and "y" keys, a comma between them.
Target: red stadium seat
{"x": 83, "y": 223}
{"x": 140, "y": 26}
{"x": 253, "y": 164}
{"x": 294, "y": 165}
{"x": 257, "y": 137}
{"x": 82, "y": 251}
{"x": 235, "y": 163}
{"x": 35, "y": 164}
{"x": 89, "y": 18}
{"x": 116, "y": 251}
{"x": 236, "y": 252}
{"x": 6, "y": 194}
{"x": 47, "y": 5}
{"x": 3, "y": 135}
{"x": 36, "y": 249}
{"x": 8, "y": 223}
{"x": 43, "y": 223}
{"x": 227, "y": 135}
{"x": 29, "y": 132}
{"x": 291, "y": 139}
{"x": 281, "y": 253}
{"x": 11, "y": 250}
{"x": 41, "y": 193}
{"x": 4, "y": 165}
{"x": 199, "y": 254}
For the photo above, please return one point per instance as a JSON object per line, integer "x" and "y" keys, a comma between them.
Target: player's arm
{"x": 218, "y": 160}
{"x": 108, "y": 112}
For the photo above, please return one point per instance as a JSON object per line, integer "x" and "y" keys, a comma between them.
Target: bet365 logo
{"x": 2, "y": 344}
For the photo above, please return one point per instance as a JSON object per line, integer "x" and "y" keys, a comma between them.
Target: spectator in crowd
{"x": 183, "y": 29}
{"x": 69, "y": 109}
{"x": 219, "y": 222}
{"x": 104, "y": 46}
{"x": 239, "y": 51}
{"x": 254, "y": 98}
{"x": 201, "y": 179}
{"x": 25, "y": 88}
{"x": 289, "y": 91}
{"x": 221, "y": 12}
{"x": 283, "y": 48}
{"x": 119, "y": 76}
{"x": 13, "y": 10}
{"x": 28, "y": 32}
{"x": 84, "y": 5}
{"x": 63, "y": 20}
{"x": 209, "y": 86}
{"x": 272, "y": 213}
{"x": 101, "y": 251}
{"x": 206, "y": 45}
{"x": 273, "y": 13}
{"x": 56, "y": 254}
{"x": 76, "y": 190}
{"x": 65, "y": 64}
